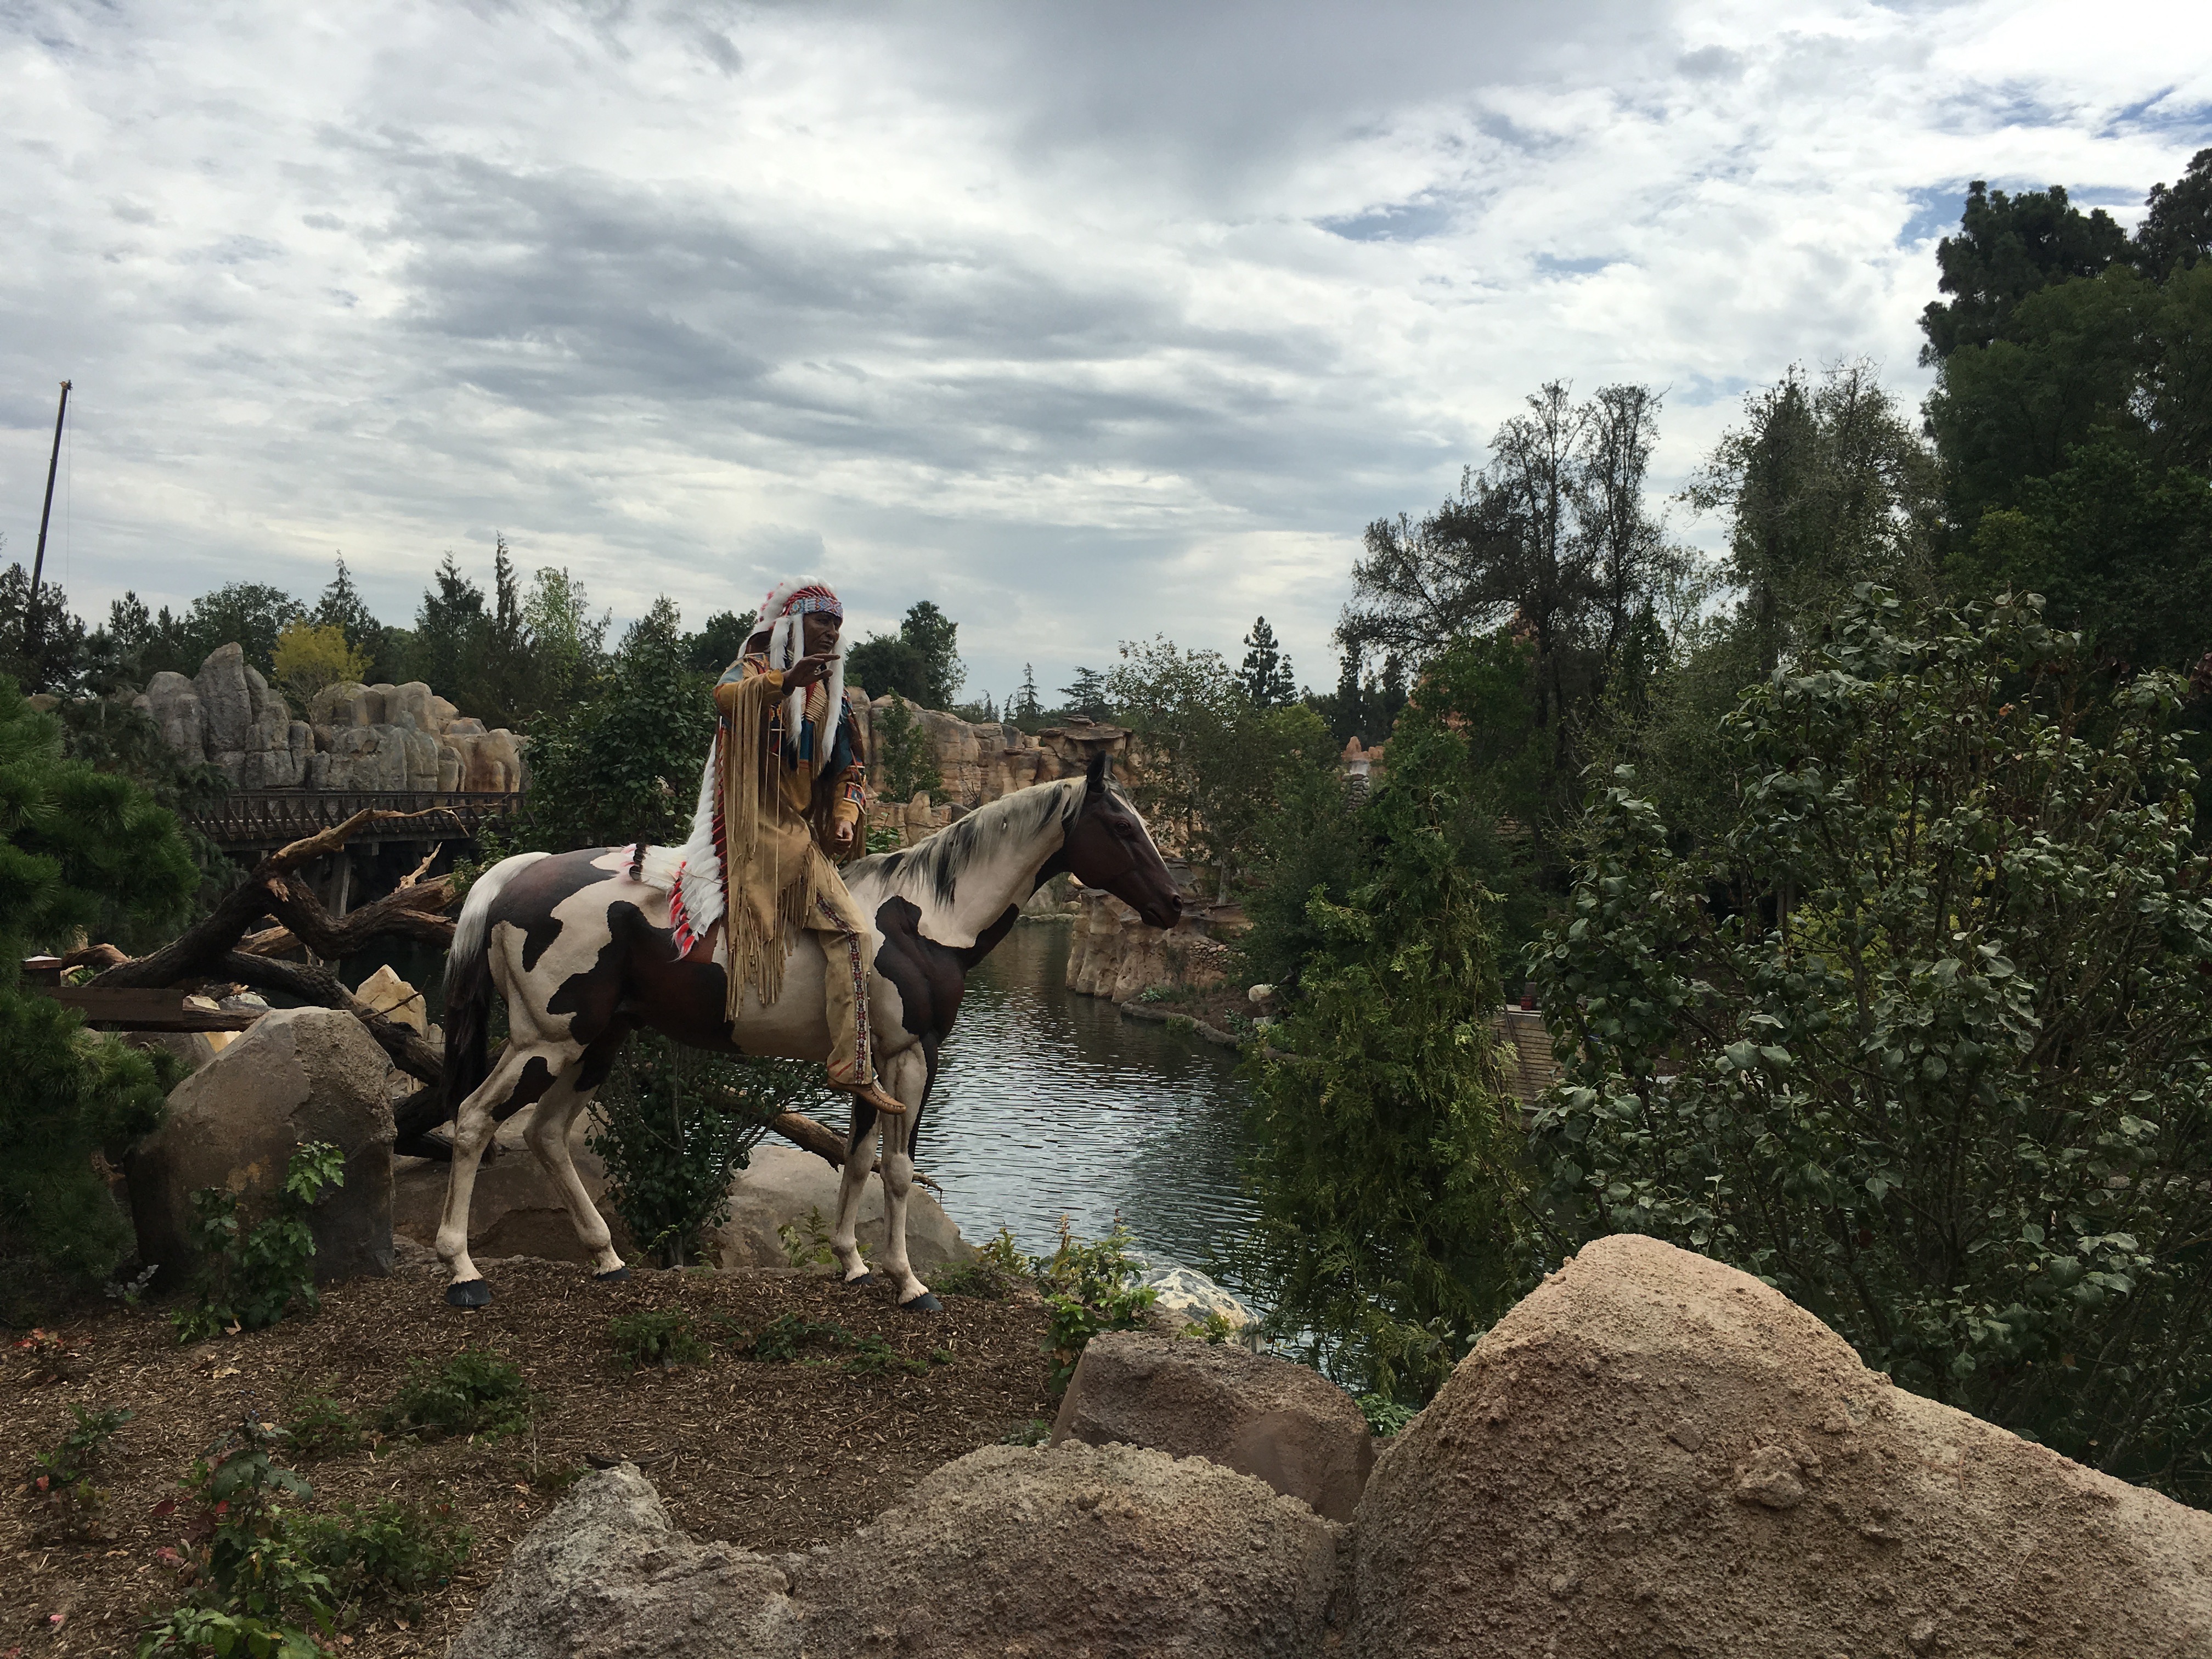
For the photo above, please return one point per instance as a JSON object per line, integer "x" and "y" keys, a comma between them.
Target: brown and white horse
{"x": 580, "y": 946}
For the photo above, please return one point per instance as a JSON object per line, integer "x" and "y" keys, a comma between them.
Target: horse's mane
{"x": 932, "y": 865}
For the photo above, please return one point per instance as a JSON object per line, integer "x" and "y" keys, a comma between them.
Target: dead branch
{"x": 87, "y": 956}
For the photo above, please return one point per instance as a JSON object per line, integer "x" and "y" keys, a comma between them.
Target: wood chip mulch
{"x": 771, "y": 1455}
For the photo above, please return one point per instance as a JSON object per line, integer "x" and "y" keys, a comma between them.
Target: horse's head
{"x": 1108, "y": 846}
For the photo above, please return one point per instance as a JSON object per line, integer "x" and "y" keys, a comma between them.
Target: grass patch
{"x": 657, "y": 1336}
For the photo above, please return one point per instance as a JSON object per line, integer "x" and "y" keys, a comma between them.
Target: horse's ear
{"x": 1095, "y": 777}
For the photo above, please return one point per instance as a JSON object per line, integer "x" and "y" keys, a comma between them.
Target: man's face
{"x": 821, "y": 630}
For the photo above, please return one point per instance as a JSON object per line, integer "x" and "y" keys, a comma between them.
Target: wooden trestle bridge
{"x": 250, "y": 819}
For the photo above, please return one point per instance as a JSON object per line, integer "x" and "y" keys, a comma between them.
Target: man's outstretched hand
{"x": 807, "y": 670}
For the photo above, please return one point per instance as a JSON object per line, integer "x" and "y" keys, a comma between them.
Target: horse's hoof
{"x": 866, "y": 1281}
{"x": 469, "y": 1293}
{"x": 615, "y": 1276}
{"x": 926, "y": 1302}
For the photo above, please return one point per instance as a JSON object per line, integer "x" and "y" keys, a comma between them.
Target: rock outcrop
{"x": 355, "y": 737}
{"x": 296, "y": 1075}
{"x": 515, "y": 1209}
{"x": 1283, "y": 1423}
{"x": 1105, "y": 1553}
{"x": 1656, "y": 1454}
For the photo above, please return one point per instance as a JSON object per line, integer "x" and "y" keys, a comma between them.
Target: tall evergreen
{"x": 1266, "y": 675}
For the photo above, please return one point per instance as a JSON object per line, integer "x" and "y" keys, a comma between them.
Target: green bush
{"x": 246, "y": 1280}
{"x": 321, "y": 1427}
{"x": 677, "y": 1123}
{"x": 656, "y": 1336}
{"x": 787, "y": 1336}
{"x": 474, "y": 1393}
{"x": 1385, "y": 1416}
{"x": 1924, "y": 1044}
{"x": 265, "y": 1579}
{"x": 61, "y": 1482}
{"x": 1089, "y": 1287}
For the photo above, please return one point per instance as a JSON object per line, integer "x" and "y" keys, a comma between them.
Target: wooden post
{"x": 39, "y": 563}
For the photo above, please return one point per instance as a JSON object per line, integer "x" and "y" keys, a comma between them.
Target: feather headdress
{"x": 783, "y": 613}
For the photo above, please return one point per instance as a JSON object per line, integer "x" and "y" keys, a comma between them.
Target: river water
{"x": 1049, "y": 1104}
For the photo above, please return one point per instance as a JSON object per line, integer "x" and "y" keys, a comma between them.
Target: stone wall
{"x": 355, "y": 737}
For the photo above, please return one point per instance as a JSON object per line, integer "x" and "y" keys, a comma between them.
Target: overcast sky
{"x": 1089, "y": 322}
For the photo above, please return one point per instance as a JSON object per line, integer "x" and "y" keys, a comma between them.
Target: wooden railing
{"x": 272, "y": 817}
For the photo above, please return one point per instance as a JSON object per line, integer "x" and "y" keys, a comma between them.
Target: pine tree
{"x": 1087, "y": 695}
{"x": 1028, "y": 707}
{"x": 342, "y": 608}
{"x": 79, "y": 849}
{"x": 1266, "y": 675}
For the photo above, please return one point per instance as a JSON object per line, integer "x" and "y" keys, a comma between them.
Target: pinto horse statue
{"x": 580, "y": 946}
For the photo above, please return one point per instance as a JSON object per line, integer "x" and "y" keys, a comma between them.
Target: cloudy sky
{"x": 1088, "y": 321}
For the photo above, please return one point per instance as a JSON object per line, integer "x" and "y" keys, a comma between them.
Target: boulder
{"x": 173, "y": 704}
{"x": 785, "y": 1187}
{"x": 1261, "y": 1416}
{"x": 1654, "y": 1454}
{"x": 339, "y": 704}
{"x": 413, "y": 700}
{"x": 226, "y": 709}
{"x": 296, "y": 1075}
{"x": 1102, "y": 1552}
{"x": 1183, "y": 1297}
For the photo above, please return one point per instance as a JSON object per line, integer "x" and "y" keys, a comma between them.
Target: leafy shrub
{"x": 908, "y": 759}
{"x": 263, "y": 1578}
{"x": 61, "y": 1485}
{"x": 475, "y": 1392}
{"x": 656, "y": 1336}
{"x": 677, "y": 1122}
{"x": 390, "y": 1554}
{"x": 252, "y": 1587}
{"x": 1938, "y": 1067}
{"x": 1089, "y": 1287}
{"x": 787, "y": 1336}
{"x": 808, "y": 1247}
{"x": 245, "y": 1283}
{"x": 1035, "y": 1433}
{"x": 1385, "y": 1415}
{"x": 321, "y": 1427}
{"x": 999, "y": 1265}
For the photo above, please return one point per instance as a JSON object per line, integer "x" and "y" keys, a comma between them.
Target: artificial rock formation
{"x": 1105, "y": 1553}
{"x": 296, "y": 1075}
{"x": 785, "y": 1186}
{"x": 1261, "y": 1416}
{"x": 1654, "y": 1454}
{"x": 355, "y": 737}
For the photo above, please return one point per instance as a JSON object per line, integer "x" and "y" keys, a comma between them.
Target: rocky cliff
{"x": 355, "y": 737}
{"x": 981, "y": 760}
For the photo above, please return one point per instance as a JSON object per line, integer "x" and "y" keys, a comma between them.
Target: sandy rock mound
{"x": 1108, "y": 1553}
{"x": 784, "y": 1187}
{"x": 1654, "y": 1454}
{"x": 1264, "y": 1417}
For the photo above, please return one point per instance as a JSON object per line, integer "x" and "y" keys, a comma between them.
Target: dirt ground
{"x": 774, "y": 1455}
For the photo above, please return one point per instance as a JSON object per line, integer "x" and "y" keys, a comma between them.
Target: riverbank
{"x": 772, "y": 1455}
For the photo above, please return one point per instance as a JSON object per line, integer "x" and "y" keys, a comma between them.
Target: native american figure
{"x": 781, "y": 797}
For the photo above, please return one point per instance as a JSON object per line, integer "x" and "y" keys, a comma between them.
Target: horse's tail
{"x": 468, "y": 982}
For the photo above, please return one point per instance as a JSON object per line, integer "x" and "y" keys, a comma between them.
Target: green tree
{"x": 1826, "y": 486}
{"x": 2176, "y": 231}
{"x": 77, "y": 848}
{"x": 1926, "y": 1041}
{"x": 567, "y": 644}
{"x": 1265, "y": 676}
{"x": 905, "y": 760}
{"x": 920, "y": 662}
{"x": 1027, "y": 711}
{"x": 720, "y": 643}
{"x": 1385, "y": 1158}
{"x": 1088, "y": 696}
{"x": 449, "y": 629}
{"x": 623, "y": 763}
{"x": 2009, "y": 247}
{"x": 341, "y": 607}
{"x": 249, "y": 615}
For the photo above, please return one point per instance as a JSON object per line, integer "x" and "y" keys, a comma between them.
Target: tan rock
{"x": 394, "y": 998}
{"x": 296, "y": 1075}
{"x": 1656, "y": 1454}
{"x": 1264, "y": 1417}
{"x": 516, "y": 1210}
{"x": 785, "y": 1187}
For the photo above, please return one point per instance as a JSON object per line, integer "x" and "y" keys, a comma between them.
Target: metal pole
{"x": 39, "y": 563}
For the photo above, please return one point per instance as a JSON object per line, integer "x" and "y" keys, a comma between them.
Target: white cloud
{"x": 1089, "y": 322}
